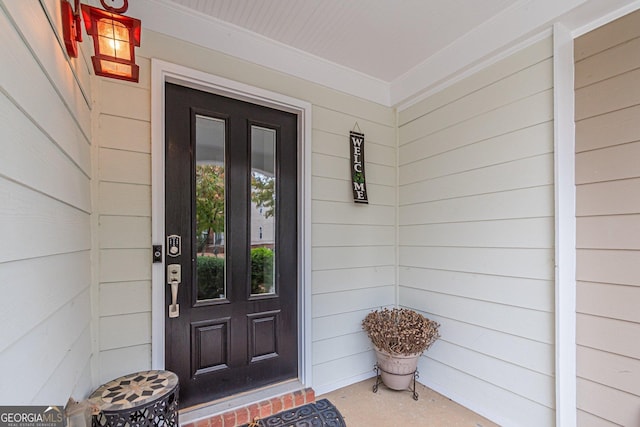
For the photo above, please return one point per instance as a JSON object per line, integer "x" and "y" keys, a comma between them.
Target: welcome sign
{"x": 356, "y": 141}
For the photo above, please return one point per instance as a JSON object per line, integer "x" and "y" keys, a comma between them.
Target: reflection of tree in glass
{"x": 262, "y": 192}
{"x": 209, "y": 202}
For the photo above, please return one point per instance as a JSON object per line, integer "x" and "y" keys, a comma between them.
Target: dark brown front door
{"x": 231, "y": 225}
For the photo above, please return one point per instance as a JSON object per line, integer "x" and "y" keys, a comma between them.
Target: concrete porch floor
{"x": 360, "y": 407}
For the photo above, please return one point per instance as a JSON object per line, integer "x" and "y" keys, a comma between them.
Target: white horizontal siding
{"x": 352, "y": 300}
{"x": 118, "y": 298}
{"x": 608, "y": 266}
{"x": 525, "y": 173}
{"x": 323, "y": 212}
{"x": 45, "y": 207}
{"x": 476, "y": 236}
{"x": 603, "y": 367}
{"x": 609, "y": 197}
{"x": 609, "y": 232}
{"x": 510, "y": 262}
{"x": 503, "y": 148}
{"x": 124, "y": 224}
{"x": 130, "y": 232}
{"x": 532, "y": 324}
{"x": 124, "y": 199}
{"x": 469, "y": 390}
{"x": 621, "y": 301}
{"x": 613, "y": 128}
{"x": 124, "y": 134}
{"x": 325, "y": 350}
{"x": 607, "y": 403}
{"x": 75, "y": 88}
{"x": 36, "y": 277}
{"x": 24, "y": 143}
{"x": 329, "y": 281}
{"x": 59, "y": 336}
{"x": 330, "y": 258}
{"x": 339, "y": 168}
{"x": 346, "y": 370}
{"x": 608, "y": 164}
{"x": 124, "y": 166}
{"x": 326, "y": 142}
{"x": 588, "y": 420}
{"x": 535, "y": 202}
{"x": 124, "y": 330}
{"x": 519, "y": 380}
{"x": 338, "y": 324}
{"x": 76, "y": 362}
{"x": 497, "y": 344}
{"x": 608, "y": 223}
{"x": 607, "y": 334}
{"x": 500, "y": 121}
{"x": 516, "y": 291}
{"x": 501, "y": 233}
{"x": 529, "y": 81}
{"x": 329, "y": 189}
{"x": 59, "y": 121}
{"x": 132, "y": 358}
{"x": 612, "y": 94}
{"x": 38, "y": 225}
{"x": 351, "y": 235}
{"x": 485, "y": 77}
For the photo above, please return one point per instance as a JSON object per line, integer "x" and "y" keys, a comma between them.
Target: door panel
{"x": 231, "y": 193}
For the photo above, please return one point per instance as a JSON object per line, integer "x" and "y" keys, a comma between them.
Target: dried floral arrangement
{"x": 400, "y": 330}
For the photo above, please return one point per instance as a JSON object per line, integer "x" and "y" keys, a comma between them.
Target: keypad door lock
{"x": 174, "y": 245}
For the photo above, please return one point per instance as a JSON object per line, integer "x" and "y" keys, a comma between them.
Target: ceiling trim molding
{"x": 510, "y": 30}
{"x": 598, "y": 15}
{"x": 195, "y": 27}
{"x": 471, "y": 70}
{"x": 520, "y": 25}
{"x": 512, "y": 26}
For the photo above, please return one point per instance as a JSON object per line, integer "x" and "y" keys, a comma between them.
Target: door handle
{"x": 174, "y": 277}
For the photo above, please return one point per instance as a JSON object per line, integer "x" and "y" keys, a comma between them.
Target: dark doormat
{"x": 319, "y": 414}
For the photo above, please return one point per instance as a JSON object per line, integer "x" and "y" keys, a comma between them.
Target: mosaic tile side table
{"x": 142, "y": 399}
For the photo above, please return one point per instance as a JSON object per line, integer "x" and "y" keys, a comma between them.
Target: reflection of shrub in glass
{"x": 211, "y": 274}
{"x": 210, "y": 277}
{"x": 261, "y": 270}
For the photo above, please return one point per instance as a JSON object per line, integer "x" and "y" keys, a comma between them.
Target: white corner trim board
{"x": 565, "y": 227}
{"x": 161, "y": 72}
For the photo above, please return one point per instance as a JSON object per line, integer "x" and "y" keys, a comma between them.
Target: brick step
{"x": 255, "y": 411}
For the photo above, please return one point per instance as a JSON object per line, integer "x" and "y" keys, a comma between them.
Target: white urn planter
{"x": 399, "y": 337}
{"x": 397, "y": 371}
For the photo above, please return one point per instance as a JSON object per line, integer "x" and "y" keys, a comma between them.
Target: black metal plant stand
{"x": 142, "y": 399}
{"x": 412, "y": 388}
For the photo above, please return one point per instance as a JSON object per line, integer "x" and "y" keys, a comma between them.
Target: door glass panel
{"x": 263, "y": 210}
{"x": 210, "y": 208}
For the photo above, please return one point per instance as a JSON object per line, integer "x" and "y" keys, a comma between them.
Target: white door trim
{"x": 161, "y": 72}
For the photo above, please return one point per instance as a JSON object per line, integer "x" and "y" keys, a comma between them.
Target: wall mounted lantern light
{"x": 71, "y": 27}
{"x": 115, "y": 38}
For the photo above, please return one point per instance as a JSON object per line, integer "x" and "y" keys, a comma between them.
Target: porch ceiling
{"x": 390, "y": 52}
{"x": 383, "y": 39}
